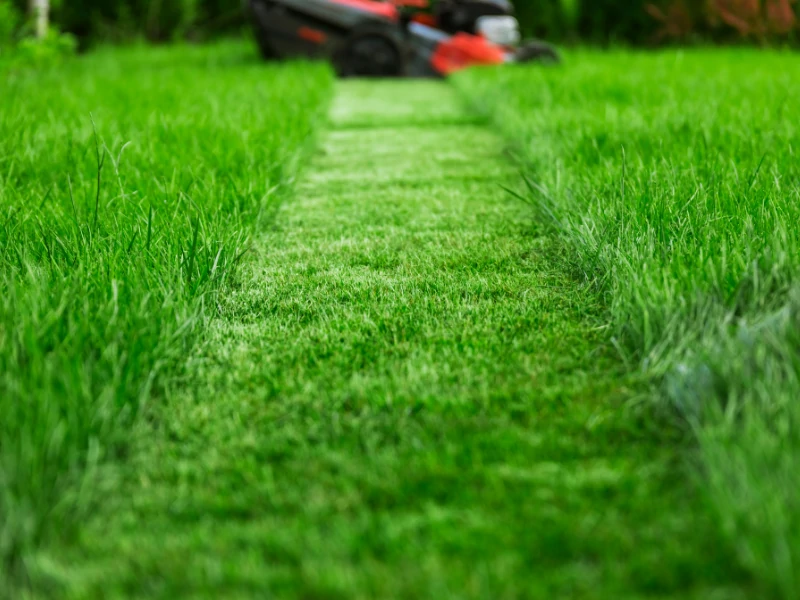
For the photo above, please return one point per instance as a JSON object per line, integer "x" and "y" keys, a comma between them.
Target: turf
{"x": 129, "y": 183}
{"x": 672, "y": 177}
{"x": 406, "y": 395}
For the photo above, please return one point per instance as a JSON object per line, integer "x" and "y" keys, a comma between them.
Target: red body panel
{"x": 425, "y": 19}
{"x": 464, "y": 50}
{"x": 315, "y": 36}
{"x": 381, "y": 9}
{"x": 373, "y": 38}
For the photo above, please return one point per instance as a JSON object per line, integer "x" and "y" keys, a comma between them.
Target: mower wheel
{"x": 539, "y": 52}
{"x": 265, "y": 48}
{"x": 370, "y": 54}
{"x": 258, "y": 11}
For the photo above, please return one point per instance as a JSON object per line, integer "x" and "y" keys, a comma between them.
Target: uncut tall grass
{"x": 130, "y": 182}
{"x": 673, "y": 179}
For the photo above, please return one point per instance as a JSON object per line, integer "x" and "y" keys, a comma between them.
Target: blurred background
{"x": 603, "y": 22}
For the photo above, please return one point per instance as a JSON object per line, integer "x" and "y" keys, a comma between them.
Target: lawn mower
{"x": 399, "y": 38}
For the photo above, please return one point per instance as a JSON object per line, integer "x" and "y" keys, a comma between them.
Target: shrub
{"x": 19, "y": 48}
{"x": 725, "y": 20}
{"x": 656, "y": 21}
{"x": 546, "y": 18}
{"x": 153, "y": 20}
{"x": 10, "y": 22}
{"x": 754, "y": 18}
{"x": 51, "y": 49}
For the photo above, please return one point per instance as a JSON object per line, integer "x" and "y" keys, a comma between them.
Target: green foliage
{"x": 127, "y": 193}
{"x": 154, "y": 20}
{"x": 10, "y": 21}
{"x": 50, "y": 50}
{"x": 648, "y": 22}
{"x": 19, "y": 49}
{"x": 672, "y": 179}
{"x": 588, "y": 20}
{"x": 595, "y": 21}
{"x": 545, "y": 19}
{"x": 402, "y": 397}
{"x": 614, "y": 20}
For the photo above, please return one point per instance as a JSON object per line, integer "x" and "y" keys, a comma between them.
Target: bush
{"x": 604, "y": 21}
{"x": 594, "y": 21}
{"x": 657, "y": 21}
{"x": 19, "y": 48}
{"x": 153, "y": 20}
{"x": 10, "y": 21}
{"x": 51, "y": 49}
{"x": 549, "y": 19}
{"x": 597, "y": 21}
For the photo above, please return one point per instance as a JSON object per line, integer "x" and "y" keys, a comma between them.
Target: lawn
{"x": 130, "y": 182}
{"x": 672, "y": 182}
{"x": 249, "y": 351}
{"x": 404, "y": 396}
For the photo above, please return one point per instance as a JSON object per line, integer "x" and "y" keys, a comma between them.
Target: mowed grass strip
{"x": 404, "y": 397}
{"x": 130, "y": 181}
{"x": 673, "y": 178}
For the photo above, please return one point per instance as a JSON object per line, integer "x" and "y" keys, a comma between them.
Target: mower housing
{"x": 391, "y": 39}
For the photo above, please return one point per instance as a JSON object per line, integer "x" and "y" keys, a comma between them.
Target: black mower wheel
{"x": 257, "y": 11}
{"x": 265, "y": 48}
{"x": 538, "y": 52}
{"x": 370, "y": 55}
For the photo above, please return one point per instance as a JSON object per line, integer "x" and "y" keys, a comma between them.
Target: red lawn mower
{"x": 401, "y": 38}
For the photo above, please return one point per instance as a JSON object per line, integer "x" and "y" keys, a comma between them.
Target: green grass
{"x": 405, "y": 395}
{"x": 673, "y": 181}
{"x": 386, "y": 376}
{"x": 129, "y": 184}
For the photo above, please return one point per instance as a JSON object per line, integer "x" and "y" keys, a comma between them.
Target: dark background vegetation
{"x": 650, "y": 22}
{"x": 638, "y": 22}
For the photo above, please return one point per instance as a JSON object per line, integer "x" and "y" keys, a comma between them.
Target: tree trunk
{"x": 40, "y": 10}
